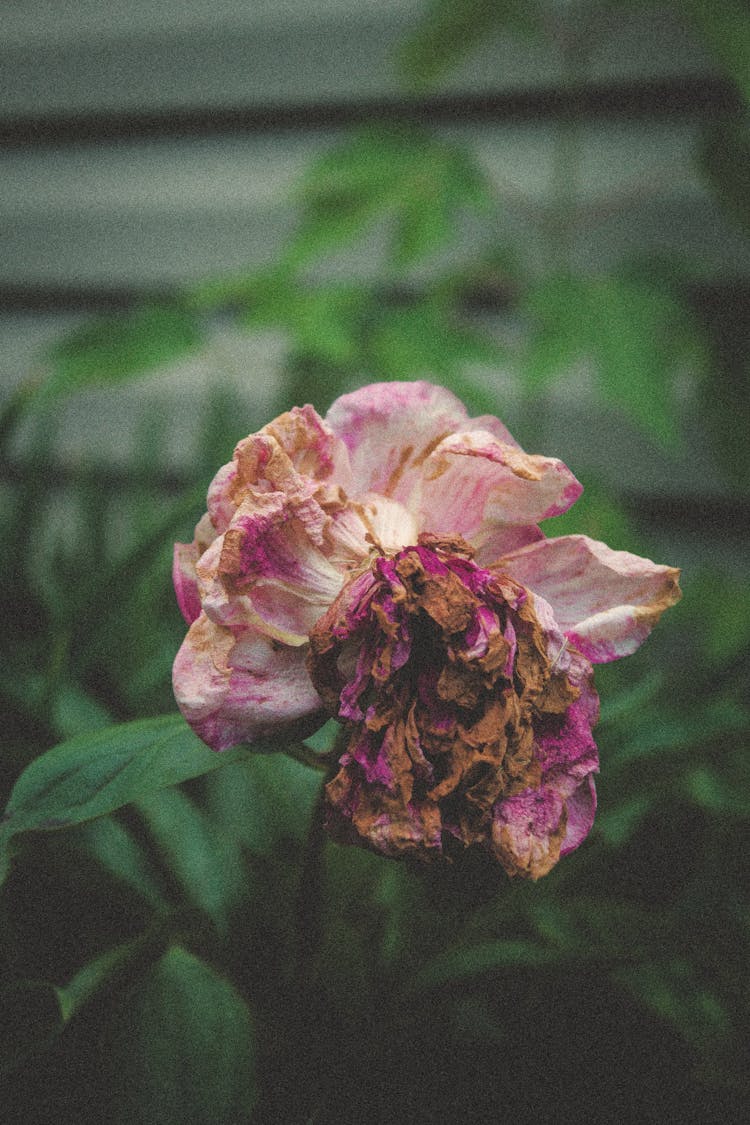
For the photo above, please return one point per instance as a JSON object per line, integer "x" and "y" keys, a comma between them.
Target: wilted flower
{"x": 384, "y": 566}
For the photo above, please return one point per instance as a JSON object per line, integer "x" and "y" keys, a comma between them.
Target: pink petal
{"x": 271, "y": 579}
{"x": 606, "y": 602}
{"x": 493, "y": 542}
{"x": 221, "y": 502}
{"x": 389, "y": 429}
{"x": 273, "y": 538}
{"x": 486, "y": 490}
{"x": 297, "y": 446}
{"x": 312, "y": 447}
{"x": 581, "y": 809}
{"x": 233, "y": 691}
{"x": 523, "y": 830}
{"x": 390, "y": 526}
{"x": 185, "y": 581}
{"x": 293, "y": 447}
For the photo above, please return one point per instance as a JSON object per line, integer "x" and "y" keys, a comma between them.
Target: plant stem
{"x": 303, "y": 754}
{"x": 310, "y": 892}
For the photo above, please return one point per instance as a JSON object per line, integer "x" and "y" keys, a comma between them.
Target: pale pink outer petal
{"x": 389, "y": 429}
{"x": 297, "y": 446}
{"x": 220, "y": 500}
{"x": 233, "y": 691}
{"x": 294, "y": 446}
{"x": 524, "y": 824}
{"x": 489, "y": 491}
{"x": 185, "y": 581}
{"x": 279, "y": 560}
{"x": 494, "y": 541}
{"x": 581, "y": 807}
{"x": 390, "y": 526}
{"x": 606, "y": 602}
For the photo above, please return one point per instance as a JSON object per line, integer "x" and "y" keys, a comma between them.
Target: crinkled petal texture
{"x": 336, "y": 553}
{"x": 469, "y": 718}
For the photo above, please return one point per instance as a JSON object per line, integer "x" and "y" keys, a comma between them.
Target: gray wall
{"x": 148, "y": 144}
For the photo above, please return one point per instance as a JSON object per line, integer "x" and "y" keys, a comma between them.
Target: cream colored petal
{"x": 240, "y": 690}
{"x": 605, "y": 601}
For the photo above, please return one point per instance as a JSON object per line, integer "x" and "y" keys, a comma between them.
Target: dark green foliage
{"x": 185, "y": 1044}
{"x": 725, "y": 29}
{"x": 95, "y": 774}
{"x": 724, "y": 159}
{"x": 118, "y": 347}
{"x": 175, "y": 943}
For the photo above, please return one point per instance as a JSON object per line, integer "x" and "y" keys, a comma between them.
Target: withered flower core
{"x": 458, "y": 702}
{"x": 334, "y": 569}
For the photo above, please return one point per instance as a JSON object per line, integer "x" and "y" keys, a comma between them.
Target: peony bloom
{"x": 385, "y": 566}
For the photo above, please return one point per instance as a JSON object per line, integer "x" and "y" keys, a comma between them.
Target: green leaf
{"x": 721, "y": 796}
{"x": 75, "y": 712}
{"x": 110, "y": 967}
{"x": 489, "y": 956}
{"x": 323, "y": 321}
{"x": 726, "y": 629}
{"x": 601, "y": 927}
{"x": 634, "y": 335}
{"x": 118, "y": 852}
{"x": 114, "y": 348}
{"x": 420, "y": 230}
{"x": 655, "y": 733}
{"x": 205, "y": 860}
{"x": 675, "y": 992}
{"x": 421, "y": 184}
{"x": 263, "y": 800}
{"x": 556, "y": 339}
{"x": 91, "y": 611}
{"x": 616, "y": 824}
{"x": 424, "y": 341}
{"x": 35, "y": 1012}
{"x": 621, "y": 706}
{"x": 183, "y": 1048}
{"x": 95, "y": 774}
{"x": 451, "y": 28}
{"x": 724, "y": 403}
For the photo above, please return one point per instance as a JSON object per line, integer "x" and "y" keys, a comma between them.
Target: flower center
{"x": 444, "y": 677}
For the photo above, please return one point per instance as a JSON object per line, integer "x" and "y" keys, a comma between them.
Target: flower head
{"x": 385, "y": 566}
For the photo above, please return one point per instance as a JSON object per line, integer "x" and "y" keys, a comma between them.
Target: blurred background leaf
{"x": 724, "y": 157}
{"x": 421, "y": 184}
{"x": 122, "y": 346}
{"x": 449, "y": 31}
{"x": 725, "y": 28}
{"x": 635, "y": 334}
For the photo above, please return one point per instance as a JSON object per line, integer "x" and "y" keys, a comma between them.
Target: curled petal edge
{"x": 606, "y": 602}
{"x": 233, "y": 691}
{"x": 185, "y": 580}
